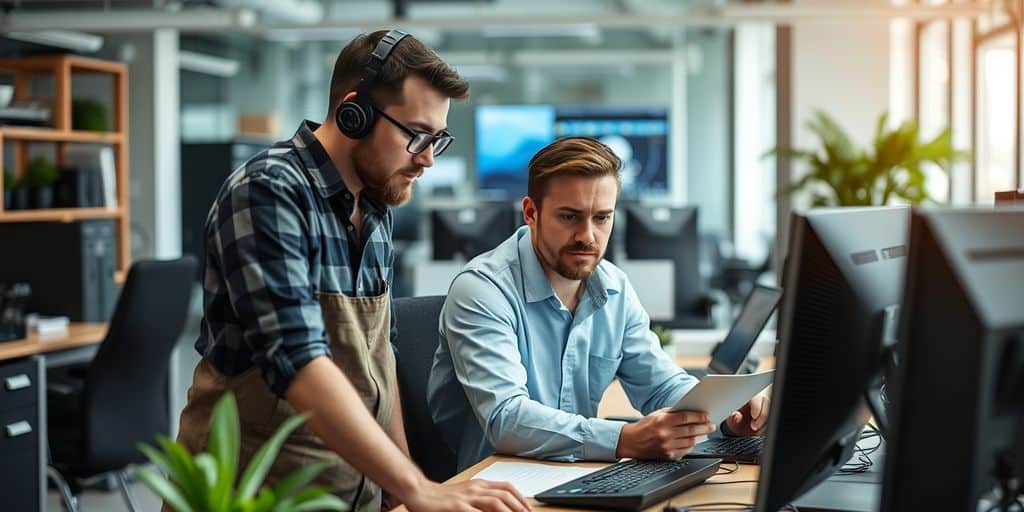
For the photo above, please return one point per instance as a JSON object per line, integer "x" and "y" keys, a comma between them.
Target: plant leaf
{"x": 266, "y": 500}
{"x": 185, "y": 473}
{"x": 292, "y": 483}
{"x": 324, "y": 502}
{"x": 223, "y": 443}
{"x": 264, "y": 458}
{"x": 156, "y": 458}
{"x": 208, "y": 468}
{"x": 163, "y": 488}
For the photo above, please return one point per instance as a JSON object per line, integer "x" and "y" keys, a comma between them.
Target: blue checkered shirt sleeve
{"x": 261, "y": 234}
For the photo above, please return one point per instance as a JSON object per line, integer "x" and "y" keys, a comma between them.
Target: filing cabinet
{"x": 21, "y": 476}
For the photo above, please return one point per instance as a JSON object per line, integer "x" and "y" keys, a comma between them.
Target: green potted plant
{"x": 841, "y": 174}
{"x": 207, "y": 481}
{"x": 89, "y": 114}
{"x": 10, "y": 185}
{"x": 40, "y": 175}
{"x": 664, "y": 338}
{"x": 15, "y": 193}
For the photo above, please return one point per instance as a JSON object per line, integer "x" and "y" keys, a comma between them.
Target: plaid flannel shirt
{"x": 278, "y": 233}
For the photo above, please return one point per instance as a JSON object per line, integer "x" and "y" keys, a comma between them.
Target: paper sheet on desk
{"x": 532, "y": 478}
{"x": 720, "y": 395}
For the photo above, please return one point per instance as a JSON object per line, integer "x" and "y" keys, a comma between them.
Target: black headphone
{"x": 355, "y": 118}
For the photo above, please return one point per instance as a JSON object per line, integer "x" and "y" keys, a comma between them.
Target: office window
{"x": 996, "y": 119}
{"x": 934, "y": 100}
{"x": 754, "y": 191}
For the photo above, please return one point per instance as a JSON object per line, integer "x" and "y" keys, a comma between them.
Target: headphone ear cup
{"x": 354, "y": 119}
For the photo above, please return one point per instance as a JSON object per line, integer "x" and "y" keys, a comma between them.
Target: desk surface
{"x": 78, "y": 335}
{"x": 712, "y": 491}
{"x": 615, "y": 403}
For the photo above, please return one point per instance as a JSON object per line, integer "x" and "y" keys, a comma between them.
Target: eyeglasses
{"x": 418, "y": 141}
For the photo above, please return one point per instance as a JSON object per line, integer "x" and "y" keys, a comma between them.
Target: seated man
{"x": 534, "y": 331}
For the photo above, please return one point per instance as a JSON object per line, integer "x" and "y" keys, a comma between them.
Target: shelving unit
{"x": 62, "y": 68}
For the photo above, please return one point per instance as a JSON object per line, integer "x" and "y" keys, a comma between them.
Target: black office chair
{"x": 417, "y": 341}
{"x": 99, "y": 412}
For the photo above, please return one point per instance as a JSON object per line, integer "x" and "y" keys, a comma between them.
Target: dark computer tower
{"x": 204, "y": 167}
{"x": 70, "y": 266}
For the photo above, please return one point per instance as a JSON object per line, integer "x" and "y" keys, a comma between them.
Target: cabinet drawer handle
{"x": 17, "y": 382}
{"x": 18, "y": 428}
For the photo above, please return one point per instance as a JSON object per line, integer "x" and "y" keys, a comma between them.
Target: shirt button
{"x": 350, "y": 228}
{"x": 348, "y": 196}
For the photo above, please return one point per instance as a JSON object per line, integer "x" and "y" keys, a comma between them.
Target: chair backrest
{"x": 416, "y": 343}
{"x": 126, "y": 400}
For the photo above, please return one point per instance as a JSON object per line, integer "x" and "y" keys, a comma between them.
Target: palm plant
{"x": 893, "y": 168}
{"x": 206, "y": 482}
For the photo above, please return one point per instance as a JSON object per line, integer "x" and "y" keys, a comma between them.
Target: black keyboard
{"x": 746, "y": 450}
{"x": 631, "y": 484}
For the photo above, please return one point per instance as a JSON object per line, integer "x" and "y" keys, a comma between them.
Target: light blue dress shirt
{"x": 517, "y": 373}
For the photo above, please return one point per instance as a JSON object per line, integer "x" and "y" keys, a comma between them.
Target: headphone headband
{"x": 378, "y": 56}
{"x": 355, "y": 118}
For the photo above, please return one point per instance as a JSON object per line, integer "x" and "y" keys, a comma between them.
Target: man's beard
{"x": 389, "y": 189}
{"x": 575, "y": 272}
{"x": 579, "y": 271}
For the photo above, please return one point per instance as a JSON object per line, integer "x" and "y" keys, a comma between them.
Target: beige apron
{"x": 358, "y": 330}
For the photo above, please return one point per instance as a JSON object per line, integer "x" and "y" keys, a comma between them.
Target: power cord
{"x": 711, "y": 506}
{"x": 727, "y": 470}
{"x": 863, "y": 462}
{"x": 718, "y": 506}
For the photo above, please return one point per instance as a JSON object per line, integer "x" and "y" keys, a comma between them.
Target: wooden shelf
{"x": 59, "y": 214}
{"x": 51, "y": 135}
{"x": 60, "y": 69}
{"x": 52, "y": 62}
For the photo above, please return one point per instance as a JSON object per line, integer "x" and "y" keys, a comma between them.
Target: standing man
{"x": 533, "y": 333}
{"x": 297, "y": 310}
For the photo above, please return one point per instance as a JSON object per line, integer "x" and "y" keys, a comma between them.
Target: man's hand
{"x": 751, "y": 419}
{"x": 663, "y": 435}
{"x": 468, "y": 496}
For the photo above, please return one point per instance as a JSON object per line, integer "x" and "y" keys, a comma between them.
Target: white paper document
{"x": 531, "y": 478}
{"x": 720, "y": 395}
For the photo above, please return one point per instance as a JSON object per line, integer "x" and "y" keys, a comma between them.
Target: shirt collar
{"x": 535, "y": 282}
{"x": 321, "y": 168}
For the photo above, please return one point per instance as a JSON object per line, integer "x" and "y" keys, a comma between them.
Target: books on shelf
{"x": 93, "y": 179}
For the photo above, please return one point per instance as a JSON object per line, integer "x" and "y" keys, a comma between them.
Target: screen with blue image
{"x": 507, "y": 136}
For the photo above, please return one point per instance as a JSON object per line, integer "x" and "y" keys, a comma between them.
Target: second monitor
{"x": 844, "y": 274}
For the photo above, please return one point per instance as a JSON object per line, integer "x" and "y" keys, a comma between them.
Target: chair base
{"x": 68, "y": 497}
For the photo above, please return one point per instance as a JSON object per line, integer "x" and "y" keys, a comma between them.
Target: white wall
{"x": 842, "y": 68}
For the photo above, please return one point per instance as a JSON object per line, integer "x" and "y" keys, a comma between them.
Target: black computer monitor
{"x": 664, "y": 233}
{"x": 844, "y": 273}
{"x": 470, "y": 231}
{"x": 959, "y": 385}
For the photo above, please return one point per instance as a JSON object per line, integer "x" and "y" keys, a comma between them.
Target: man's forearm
{"x": 340, "y": 418}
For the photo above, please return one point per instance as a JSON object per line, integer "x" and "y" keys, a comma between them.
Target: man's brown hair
{"x": 570, "y": 156}
{"x": 409, "y": 57}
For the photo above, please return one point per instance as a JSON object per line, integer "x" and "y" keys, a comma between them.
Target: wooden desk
{"x": 78, "y": 335}
{"x": 615, "y": 403}
{"x": 705, "y": 493}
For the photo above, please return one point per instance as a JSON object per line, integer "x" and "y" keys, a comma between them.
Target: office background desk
{"x": 23, "y": 442}
{"x": 615, "y": 403}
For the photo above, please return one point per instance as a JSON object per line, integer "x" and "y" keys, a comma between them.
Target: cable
{"x": 728, "y": 471}
{"x": 864, "y": 461}
{"x": 711, "y": 506}
{"x": 731, "y": 482}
